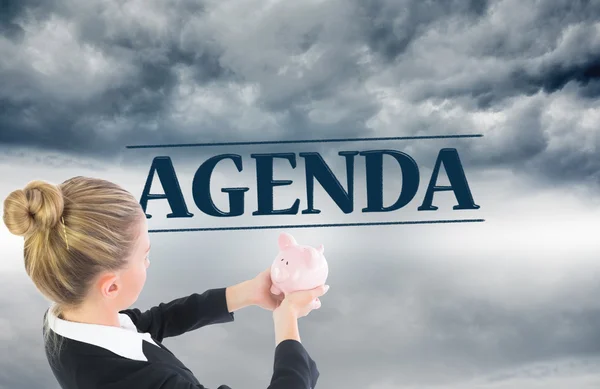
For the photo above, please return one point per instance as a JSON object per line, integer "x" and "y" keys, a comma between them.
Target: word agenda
{"x": 316, "y": 169}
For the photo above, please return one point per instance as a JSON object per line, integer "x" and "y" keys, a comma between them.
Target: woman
{"x": 86, "y": 249}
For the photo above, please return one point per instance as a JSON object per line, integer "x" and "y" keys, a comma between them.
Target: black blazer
{"x": 133, "y": 357}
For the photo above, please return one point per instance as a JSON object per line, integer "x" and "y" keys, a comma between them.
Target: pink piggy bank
{"x": 297, "y": 267}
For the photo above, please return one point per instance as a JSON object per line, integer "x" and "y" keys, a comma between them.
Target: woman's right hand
{"x": 300, "y": 303}
{"x": 291, "y": 308}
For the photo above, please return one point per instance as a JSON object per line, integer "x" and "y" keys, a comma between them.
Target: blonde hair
{"x": 72, "y": 232}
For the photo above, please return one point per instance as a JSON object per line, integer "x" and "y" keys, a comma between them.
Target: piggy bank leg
{"x": 275, "y": 290}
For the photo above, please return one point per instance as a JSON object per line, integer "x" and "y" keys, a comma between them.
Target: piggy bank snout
{"x": 280, "y": 274}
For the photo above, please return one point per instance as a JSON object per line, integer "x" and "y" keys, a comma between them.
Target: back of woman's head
{"x": 73, "y": 231}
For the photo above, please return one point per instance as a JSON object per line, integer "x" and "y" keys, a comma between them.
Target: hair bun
{"x": 37, "y": 207}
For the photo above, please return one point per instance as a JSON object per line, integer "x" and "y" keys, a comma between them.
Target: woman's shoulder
{"x": 79, "y": 362}
{"x": 80, "y": 365}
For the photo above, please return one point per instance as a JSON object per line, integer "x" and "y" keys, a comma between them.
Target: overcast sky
{"x": 510, "y": 303}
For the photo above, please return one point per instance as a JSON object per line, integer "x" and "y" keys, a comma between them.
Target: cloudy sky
{"x": 509, "y": 303}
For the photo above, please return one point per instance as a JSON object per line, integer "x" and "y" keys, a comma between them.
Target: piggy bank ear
{"x": 286, "y": 241}
{"x": 321, "y": 249}
{"x": 312, "y": 256}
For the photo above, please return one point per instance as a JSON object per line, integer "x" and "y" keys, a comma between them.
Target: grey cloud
{"x": 543, "y": 49}
{"x": 547, "y": 22}
{"x": 576, "y": 61}
{"x": 518, "y": 140}
{"x": 297, "y": 70}
{"x": 424, "y": 323}
{"x": 140, "y": 98}
{"x": 409, "y": 306}
{"x": 390, "y": 26}
{"x": 424, "y": 319}
{"x": 23, "y": 361}
{"x": 329, "y": 97}
{"x": 14, "y": 11}
{"x": 557, "y": 76}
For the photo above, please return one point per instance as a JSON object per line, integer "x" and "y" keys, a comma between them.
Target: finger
{"x": 319, "y": 291}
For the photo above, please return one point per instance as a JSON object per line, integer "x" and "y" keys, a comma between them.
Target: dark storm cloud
{"x": 13, "y": 11}
{"x": 547, "y": 46}
{"x": 390, "y": 26}
{"x": 556, "y": 76}
{"x": 146, "y": 97}
{"x": 544, "y": 22}
{"x": 31, "y": 116}
{"x": 519, "y": 140}
{"x": 177, "y": 72}
{"x": 10, "y": 10}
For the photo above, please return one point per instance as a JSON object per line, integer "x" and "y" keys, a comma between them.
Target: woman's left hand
{"x": 260, "y": 291}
